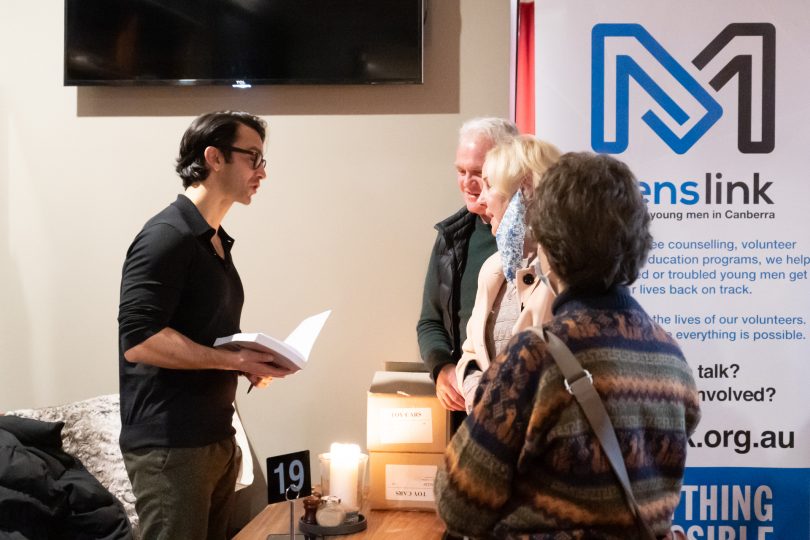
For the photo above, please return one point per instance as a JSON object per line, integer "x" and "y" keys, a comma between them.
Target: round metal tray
{"x": 345, "y": 528}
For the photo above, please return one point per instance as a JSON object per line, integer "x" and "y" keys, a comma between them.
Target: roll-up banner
{"x": 707, "y": 102}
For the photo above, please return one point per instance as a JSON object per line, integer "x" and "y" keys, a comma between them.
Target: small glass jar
{"x": 330, "y": 513}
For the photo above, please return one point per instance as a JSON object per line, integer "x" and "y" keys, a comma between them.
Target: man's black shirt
{"x": 172, "y": 277}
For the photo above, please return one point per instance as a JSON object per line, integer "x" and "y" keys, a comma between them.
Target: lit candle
{"x": 344, "y": 459}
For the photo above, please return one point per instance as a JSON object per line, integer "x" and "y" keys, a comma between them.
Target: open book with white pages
{"x": 292, "y": 353}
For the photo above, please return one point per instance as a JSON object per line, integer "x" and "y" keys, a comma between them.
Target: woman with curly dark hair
{"x": 526, "y": 462}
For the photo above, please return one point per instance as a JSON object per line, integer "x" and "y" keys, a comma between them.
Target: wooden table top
{"x": 382, "y": 524}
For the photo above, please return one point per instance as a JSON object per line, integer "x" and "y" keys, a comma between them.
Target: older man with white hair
{"x": 463, "y": 243}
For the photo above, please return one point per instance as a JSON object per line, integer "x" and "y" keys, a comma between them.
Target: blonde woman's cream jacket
{"x": 535, "y": 299}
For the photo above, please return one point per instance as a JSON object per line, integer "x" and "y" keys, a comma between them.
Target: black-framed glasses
{"x": 258, "y": 157}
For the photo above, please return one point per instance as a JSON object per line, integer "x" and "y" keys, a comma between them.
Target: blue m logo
{"x": 612, "y": 72}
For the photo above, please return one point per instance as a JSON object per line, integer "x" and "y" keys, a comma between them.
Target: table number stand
{"x": 292, "y": 535}
{"x": 289, "y": 478}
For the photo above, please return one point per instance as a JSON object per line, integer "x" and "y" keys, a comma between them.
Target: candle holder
{"x": 343, "y": 483}
{"x": 338, "y": 477}
{"x": 316, "y": 530}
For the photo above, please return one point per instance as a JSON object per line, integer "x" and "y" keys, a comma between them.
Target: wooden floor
{"x": 382, "y": 524}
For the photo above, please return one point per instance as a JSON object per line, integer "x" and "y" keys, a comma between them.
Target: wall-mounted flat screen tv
{"x": 243, "y": 42}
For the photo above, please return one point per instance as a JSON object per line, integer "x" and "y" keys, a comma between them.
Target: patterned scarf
{"x": 510, "y": 236}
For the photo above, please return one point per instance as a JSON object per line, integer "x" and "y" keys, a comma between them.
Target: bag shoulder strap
{"x": 579, "y": 382}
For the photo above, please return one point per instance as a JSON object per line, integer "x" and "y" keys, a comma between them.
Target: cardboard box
{"x": 403, "y": 481}
{"x": 404, "y": 414}
{"x": 411, "y": 367}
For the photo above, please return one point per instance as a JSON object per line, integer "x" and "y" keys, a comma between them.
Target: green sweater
{"x": 526, "y": 461}
{"x": 463, "y": 244}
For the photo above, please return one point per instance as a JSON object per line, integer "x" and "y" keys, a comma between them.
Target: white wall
{"x": 357, "y": 176}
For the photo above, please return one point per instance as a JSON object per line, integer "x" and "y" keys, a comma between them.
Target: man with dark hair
{"x": 179, "y": 292}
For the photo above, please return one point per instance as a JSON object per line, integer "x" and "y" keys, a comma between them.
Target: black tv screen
{"x": 242, "y": 42}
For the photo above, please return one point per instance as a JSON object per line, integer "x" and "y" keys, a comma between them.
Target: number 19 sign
{"x": 288, "y": 477}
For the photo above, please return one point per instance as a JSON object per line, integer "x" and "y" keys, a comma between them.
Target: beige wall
{"x": 357, "y": 178}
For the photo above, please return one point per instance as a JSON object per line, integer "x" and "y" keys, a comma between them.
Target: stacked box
{"x": 408, "y": 430}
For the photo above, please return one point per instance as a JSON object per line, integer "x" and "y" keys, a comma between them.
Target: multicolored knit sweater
{"x": 525, "y": 463}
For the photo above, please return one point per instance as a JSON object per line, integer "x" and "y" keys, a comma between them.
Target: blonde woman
{"x": 510, "y": 296}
